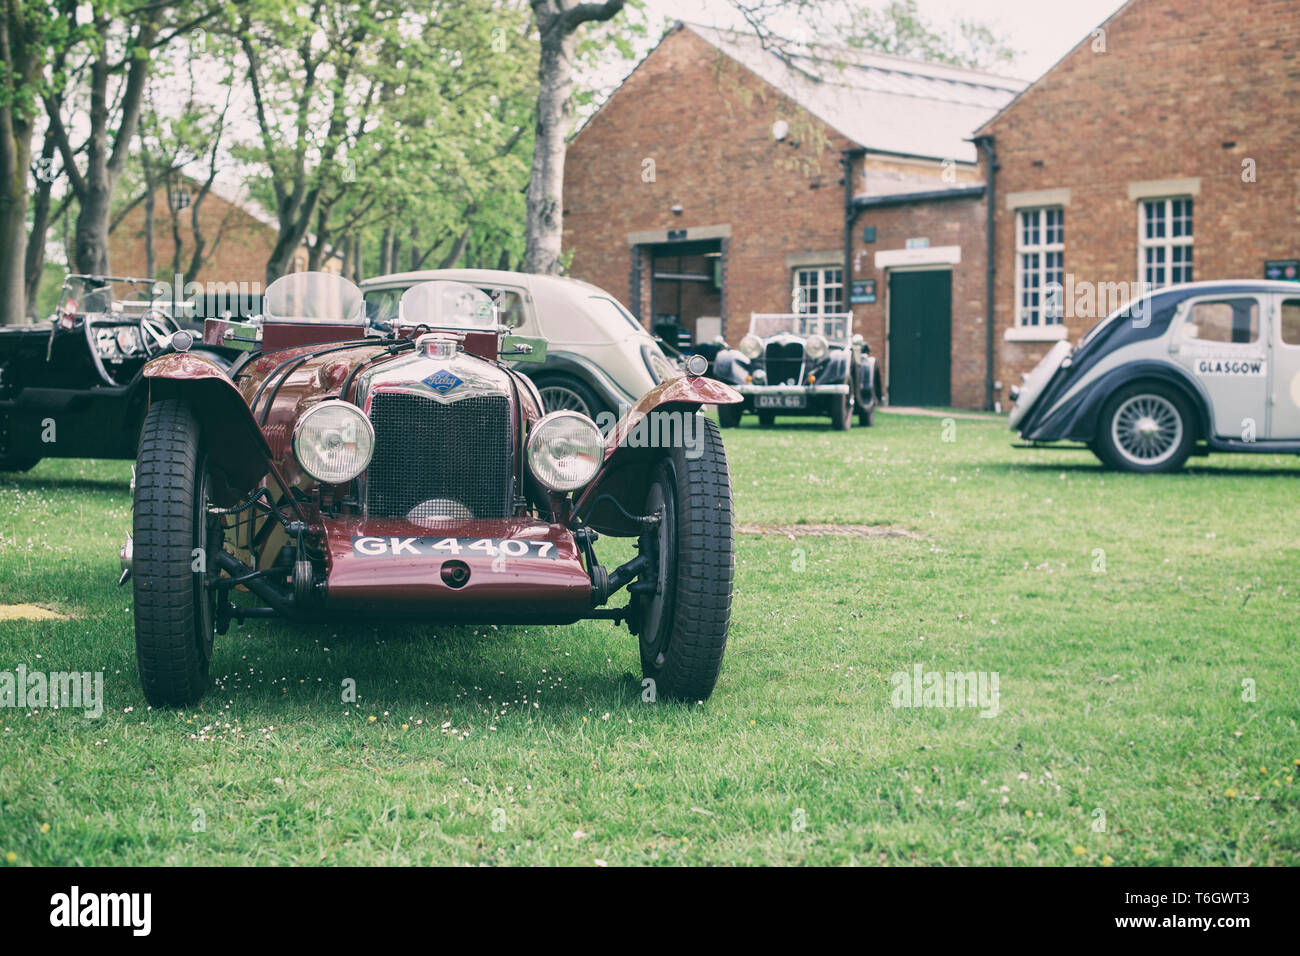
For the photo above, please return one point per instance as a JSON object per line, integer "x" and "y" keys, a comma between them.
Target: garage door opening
{"x": 686, "y": 291}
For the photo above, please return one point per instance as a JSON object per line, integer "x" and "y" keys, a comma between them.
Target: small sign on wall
{"x": 863, "y": 292}
{"x": 920, "y": 242}
{"x": 1287, "y": 270}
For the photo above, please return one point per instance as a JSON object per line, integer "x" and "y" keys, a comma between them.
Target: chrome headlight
{"x": 565, "y": 450}
{"x": 815, "y": 347}
{"x": 751, "y": 346}
{"x": 333, "y": 441}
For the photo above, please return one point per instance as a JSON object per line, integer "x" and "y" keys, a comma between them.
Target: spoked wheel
{"x": 1145, "y": 428}
{"x": 568, "y": 395}
{"x": 683, "y": 630}
{"x": 174, "y": 544}
{"x": 842, "y": 412}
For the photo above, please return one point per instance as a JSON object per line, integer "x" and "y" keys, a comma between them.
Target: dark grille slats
{"x": 784, "y": 362}
{"x": 456, "y": 455}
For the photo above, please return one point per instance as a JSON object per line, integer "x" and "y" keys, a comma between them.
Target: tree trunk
{"x": 557, "y": 23}
{"x": 316, "y": 251}
{"x": 34, "y": 263}
{"x": 14, "y": 158}
{"x": 349, "y": 267}
{"x": 150, "y": 188}
{"x": 174, "y": 215}
{"x": 386, "y": 251}
{"x": 21, "y": 63}
{"x": 457, "y": 249}
{"x": 545, "y": 203}
{"x": 104, "y": 164}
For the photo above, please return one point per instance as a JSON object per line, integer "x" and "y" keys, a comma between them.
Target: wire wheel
{"x": 1147, "y": 430}
{"x": 563, "y": 398}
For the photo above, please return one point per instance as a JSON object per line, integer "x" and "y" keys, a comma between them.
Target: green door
{"x": 920, "y": 338}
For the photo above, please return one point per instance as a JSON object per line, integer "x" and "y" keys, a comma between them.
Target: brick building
{"x": 711, "y": 185}
{"x": 1165, "y": 147}
{"x": 1162, "y": 148}
{"x": 239, "y": 236}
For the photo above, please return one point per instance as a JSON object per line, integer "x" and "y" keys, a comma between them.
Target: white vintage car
{"x": 1187, "y": 369}
{"x": 598, "y": 357}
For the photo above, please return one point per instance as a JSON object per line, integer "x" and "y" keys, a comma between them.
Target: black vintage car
{"x": 71, "y": 387}
{"x": 802, "y": 364}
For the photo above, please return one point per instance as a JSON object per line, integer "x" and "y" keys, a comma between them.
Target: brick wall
{"x": 706, "y": 123}
{"x": 1184, "y": 89}
{"x": 239, "y": 244}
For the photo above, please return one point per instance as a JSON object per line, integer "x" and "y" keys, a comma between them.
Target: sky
{"x": 1042, "y": 31}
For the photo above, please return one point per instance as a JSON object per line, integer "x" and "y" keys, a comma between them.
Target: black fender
{"x": 1077, "y": 419}
{"x": 836, "y": 369}
{"x": 730, "y": 366}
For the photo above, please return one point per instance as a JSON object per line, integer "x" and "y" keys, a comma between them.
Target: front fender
{"x": 244, "y": 459}
{"x": 730, "y": 366}
{"x": 1076, "y": 418}
{"x": 637, "y": 439}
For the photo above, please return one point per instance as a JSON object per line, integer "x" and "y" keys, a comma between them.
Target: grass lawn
{"x": 1128, "y": 620}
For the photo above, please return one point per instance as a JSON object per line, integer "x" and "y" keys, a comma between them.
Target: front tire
{"x": 18, "y": 464}
{"x": 1145, "y": 428}
{"x": 842, "y": 412}
{"x": 683, "y": 631}
{"x": 174, "y": 606}
{"x": 729, "y": 415}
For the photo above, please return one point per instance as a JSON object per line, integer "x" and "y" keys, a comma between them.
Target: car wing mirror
{"x": 522, "y": 348}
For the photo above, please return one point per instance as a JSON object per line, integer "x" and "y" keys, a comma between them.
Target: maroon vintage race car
{"x": 329, "y": 473}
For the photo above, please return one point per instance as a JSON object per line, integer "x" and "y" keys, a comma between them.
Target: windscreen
{"x": 834, "y": 327}
{"x": 447, "y": 305}
{"x": 313, "y": 297}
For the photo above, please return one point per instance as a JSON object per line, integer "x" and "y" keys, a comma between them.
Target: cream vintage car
{"x": 599, "y": 358}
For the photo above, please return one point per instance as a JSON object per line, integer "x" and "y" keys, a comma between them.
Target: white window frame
{"x": 1045, "y": 239}
{"x": 1168, "y": 242}
{"x": 822, "y": 285}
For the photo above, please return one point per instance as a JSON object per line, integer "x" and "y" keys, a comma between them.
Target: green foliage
{"x": 899, "y": 29}
{"x": 401, "y": 117}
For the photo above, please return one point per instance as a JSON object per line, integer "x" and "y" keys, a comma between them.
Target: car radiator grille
{"x": 439, "y": 461}
{"x": 784, "y": 362}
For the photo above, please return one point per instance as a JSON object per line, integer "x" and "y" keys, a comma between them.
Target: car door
{"x": 1220, "y": 341}
{"x": 1284, "y": 382}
